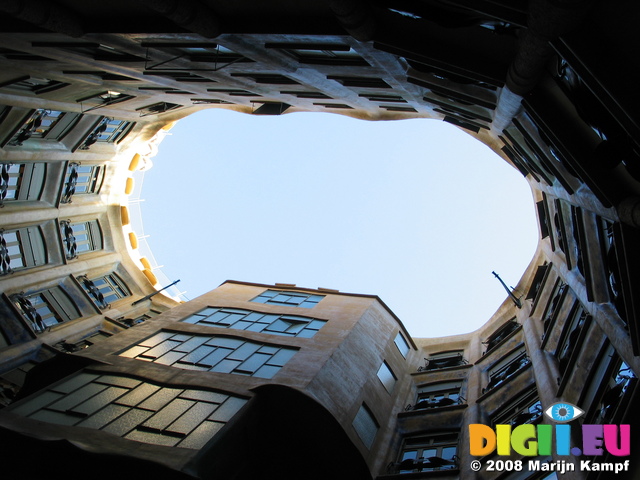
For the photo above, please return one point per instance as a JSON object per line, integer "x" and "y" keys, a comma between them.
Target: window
{"x": 577, "y": 323}
{"x": 212, "y": 53}
{"x": 288, "y": 299}
{"x": 333, "y": 105}
{"x": 157, "y": 108}
{"x": 321, "y": 54}
{"x": 525, "y": 408}
{"x": 212, "y": 354}
{"x": 129, "y": 408}
{"x": 33, "y": 85}
{"x": 506, "y": 367}
{"x": 81, "y": 180}
{"x": 301, "y": 94}
{"x": 435, "y": 395}
{"x": 21, "y": 248}
{"x": 395, "y": 108}
{"x": 206, "y": 101}
{"x": 538, "y": 282}
{"x": 292, "y": 325}
{"x": 609, "y": 390}
{"x": 402, "y": 344}
{"x": 12, "y": 381}
{"x": 46, "y": 308}
{"x": 561, "y": 233}
{"x": 553, "y": 307}
{"x": 112, "y": 77}
{"x": 543, "y": 217}
{"x": 365, "y": 425}
{"x": 70, "y": 347}
{"x": 428, "y": 453}
{"x": 267, "y": 78}
{"x": 79, "y": 238}
{"x": 363, "y": 82}
{"x": 503, "y": 332}
{"x": 387, "y": 377}
{"x": 374, "y": 97}
{"x": 233, "y": 92}
{"x": 104, "y": 290}
{"x": 182, "y": 76}
{"x": 108, "y": 130}
{"x": 451, "y": 358}
{"x": 94, "y": 50}
{"x": 102, "y": 99}
{"x": 21, "y": 181}
{"x": 41, "y": 124}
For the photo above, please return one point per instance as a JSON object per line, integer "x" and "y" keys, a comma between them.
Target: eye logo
{"x": 563, "y": 412}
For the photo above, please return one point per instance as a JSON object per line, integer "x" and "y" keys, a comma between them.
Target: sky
{"x": 414, "y": 211}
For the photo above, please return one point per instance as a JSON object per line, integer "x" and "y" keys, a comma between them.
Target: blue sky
{"x": 414, "y": 211}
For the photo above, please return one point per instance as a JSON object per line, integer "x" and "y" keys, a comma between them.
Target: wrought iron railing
{"x": 30, "y": 128}
{"x": 68, "y": 239}
{"x": 94, "y": 292}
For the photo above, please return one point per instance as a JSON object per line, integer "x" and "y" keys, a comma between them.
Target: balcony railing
{"x": 502, "y": 375}
{"x": 93, "y": 290}
{"x": 68, "y": 239}
{"x": 411, "y": 465}
{"x": 442, "y": 402}
{"x": 443, "y": 362}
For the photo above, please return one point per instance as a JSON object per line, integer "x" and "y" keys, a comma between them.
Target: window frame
{"x": 514, "y": 413}
{"x": 22, "y": 84}
{"x": 507, "y": 367}
{"x": 250, "y": 320}
{"x": 72, "y": 239}
{"x": 270, "y": 295}
{"x": 365, "y": 425}
{"x": 387, "y": 377}
{"x": 428, "y": 395}
{"x": 52, "y": 303}
{"x": 438, "y": 442}
{"x": 444, "y": 359}
{"x": 74, "y": 183}
{"x": 104, "y": 287}
{"x": 31, "y": 246}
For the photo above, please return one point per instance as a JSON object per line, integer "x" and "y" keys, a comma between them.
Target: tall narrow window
{"x": 81, "y": 180}
{"x": 610, "y": 389}
{"x": 387, "y": 377}
{"x": 402, "y": 344}
{"x": 21, "y": 248}
{"x": 570, "y": 338}
{"x": 79, "y": 238}
{"x": 365, "y": 425}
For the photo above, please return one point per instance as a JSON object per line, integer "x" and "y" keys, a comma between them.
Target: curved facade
{"x": 99, "y": 367}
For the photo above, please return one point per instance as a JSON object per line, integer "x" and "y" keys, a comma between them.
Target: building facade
{"x": 100, "y": 371}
